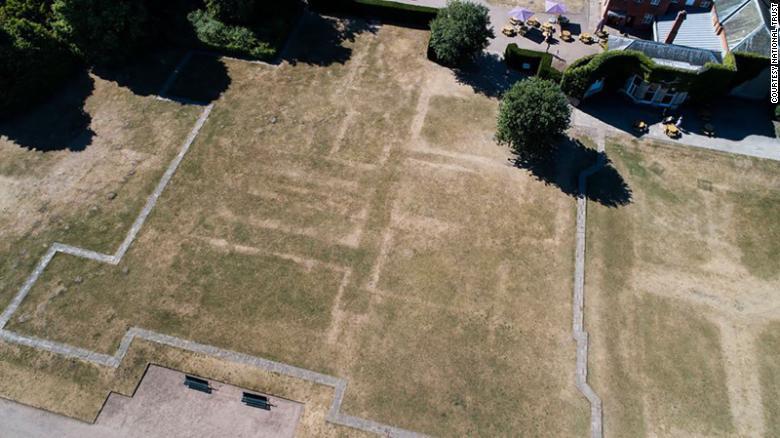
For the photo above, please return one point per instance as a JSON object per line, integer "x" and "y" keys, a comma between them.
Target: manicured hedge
{"x": 411, "y": 15}
{"x": 616, "y": 66}
{"x": 516, "y": 56}
{"x": 749, "y": 65}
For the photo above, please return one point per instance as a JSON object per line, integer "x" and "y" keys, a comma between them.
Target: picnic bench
{"x": 671, "y": 131}
{"x": 256, "y": 401}
{"x": 586, "y": 38}
{"x": 566, "y": 36}
{"x": 197, "y": 384}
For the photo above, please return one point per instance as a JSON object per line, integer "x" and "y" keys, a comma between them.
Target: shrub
{"x": 236, "y": 40}
{"x": 531, "y": 117}
{"x": 459, "y": 32}
{"x": 102, "y": 31}
{"x": 233, "y": 11}
{"x": 34, "y": 64}
{"x": 777, "y": 112}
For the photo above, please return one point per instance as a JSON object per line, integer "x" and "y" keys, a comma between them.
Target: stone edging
{"x": 338, "y": 384}
{"x": 578, "y": 329}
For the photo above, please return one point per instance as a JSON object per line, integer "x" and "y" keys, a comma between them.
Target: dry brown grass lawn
{"x": 62, "y": 195}
{"x": 680, "y": 284}
{"x": 356, "y": 219}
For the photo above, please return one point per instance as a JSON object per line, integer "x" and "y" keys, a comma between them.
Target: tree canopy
{"x": 460, "y": 31}
{"x": 532, "y": 115}
{"x": 34, "y": 63}
{"x": 102, "y": 31}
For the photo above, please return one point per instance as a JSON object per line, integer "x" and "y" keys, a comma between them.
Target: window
{"x": 674, "y": 2}
{"x": 633, "y": 83}
{"x": 655, "y": 2}
{"x": 668, "y": 97}
{"x": 650, "y": 93}
{"x": 705, "y": 3}
{"x": 647, "y": 19}
{"x": 638, "y": 1}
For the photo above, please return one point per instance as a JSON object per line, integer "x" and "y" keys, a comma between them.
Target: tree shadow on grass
{"x": 320, "y": 40}
{"x": 202, "y": 80}
{"x": 145, "y": 75}
{"x": 563, "y": 168}
{"x": 61, "y": 123}
{"x": 488, "y": 74}
{"x": 201, "y": 77}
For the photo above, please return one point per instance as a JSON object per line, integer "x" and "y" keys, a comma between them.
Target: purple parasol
{"x": 553, "y": 7}
{"x": 521, "y": 14}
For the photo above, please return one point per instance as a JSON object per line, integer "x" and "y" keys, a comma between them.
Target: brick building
{"x": 642, "y": 13}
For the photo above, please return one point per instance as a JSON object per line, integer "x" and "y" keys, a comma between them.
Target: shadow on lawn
{"x": 60, "y": 123}
{"x": 320, "y": 40}
{"x": 562, "y": 169}
{"x": 202, "y": 79}
{"x": 488, "y": 75}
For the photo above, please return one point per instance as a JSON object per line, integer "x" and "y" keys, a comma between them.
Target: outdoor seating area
{"x": 548, "y": 28}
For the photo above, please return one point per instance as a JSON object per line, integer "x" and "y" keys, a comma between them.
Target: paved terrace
{"x": 161, "y": 406}
{"x": 563, "y": 52}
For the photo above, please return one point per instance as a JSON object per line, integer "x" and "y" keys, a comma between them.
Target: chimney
{"x": 678, "y": 21}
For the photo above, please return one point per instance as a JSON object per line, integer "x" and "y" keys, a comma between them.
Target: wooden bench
{"x": 256, "y": 401}
{"x": 197, "y": 384}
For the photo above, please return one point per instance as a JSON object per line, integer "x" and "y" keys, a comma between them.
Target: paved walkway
{"x": 754, "y": 145}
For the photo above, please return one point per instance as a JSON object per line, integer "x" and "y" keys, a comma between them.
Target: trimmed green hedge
{"x": 616, "y": 66}
{"x": 749, "y": 65}
{"x": 515, "y": 56}
{"x": 412, "y": 15}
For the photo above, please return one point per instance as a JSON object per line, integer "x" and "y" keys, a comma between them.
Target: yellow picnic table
{"x": 672, "y": 131}
{"x": 586, "y": 38}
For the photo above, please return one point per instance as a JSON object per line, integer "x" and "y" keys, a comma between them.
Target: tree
{"x": 34, "y": 64}
{"x": 37, "y": 11}
{"x": 460, "y": 31}
{"x": 532, "y": 115}
{"x": 102, "y": 31}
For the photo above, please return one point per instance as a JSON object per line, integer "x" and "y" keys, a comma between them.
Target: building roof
{"x": 746, "y": 23}
{"x": 696, "y": 31}
{"x": 672, "y": 55}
